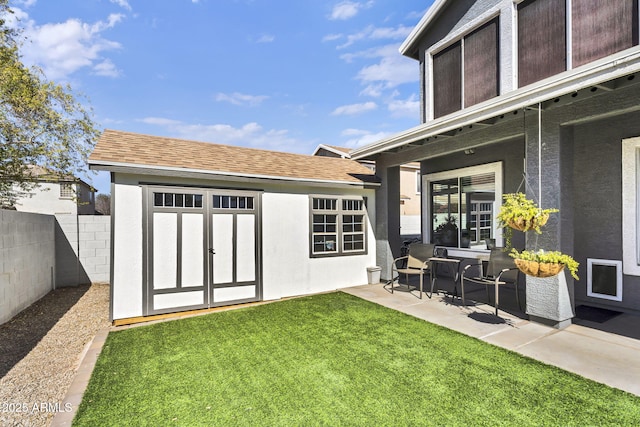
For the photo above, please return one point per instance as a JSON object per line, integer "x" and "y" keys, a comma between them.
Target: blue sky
{"x": 283, "y": 75}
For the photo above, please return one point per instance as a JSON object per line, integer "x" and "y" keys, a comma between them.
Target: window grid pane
{"x": 233, "y": 202}
{"x": 334, "y": 232}
{"x": 178, "y": 200}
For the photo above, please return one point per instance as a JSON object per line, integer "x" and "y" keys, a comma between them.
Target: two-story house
{"x": 538, "y": 96}
{"x": 57, "y": 195}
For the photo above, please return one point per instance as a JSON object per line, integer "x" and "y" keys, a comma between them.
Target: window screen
{"x": 541, "y": 39}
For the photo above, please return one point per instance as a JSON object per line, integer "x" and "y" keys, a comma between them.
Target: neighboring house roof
{"x": 340, "y": 151}
{"x": 346, "y": 153}
{"x": 42, "y": 174}
{"x": 126, "y": 150}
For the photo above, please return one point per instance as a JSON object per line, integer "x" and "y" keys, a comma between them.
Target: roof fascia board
{"x": 417, "y": 31}
{"x": 342, "y": 154}
{"x": 132, "y": 168}
{"x": 595, "y": 73}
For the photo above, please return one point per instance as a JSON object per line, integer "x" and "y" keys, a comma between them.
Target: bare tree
{"x": 103, "y": 204}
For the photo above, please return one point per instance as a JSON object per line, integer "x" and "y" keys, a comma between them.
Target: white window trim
{"x": 71, "y": 188}
{"x": 608, "y": 262}
{"x": 495, "y": 167}
{"x": 340, "y": 233}
{"x": 630, "y": 206}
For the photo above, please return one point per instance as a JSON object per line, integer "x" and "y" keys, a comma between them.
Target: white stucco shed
{"x": 198, "y": 225}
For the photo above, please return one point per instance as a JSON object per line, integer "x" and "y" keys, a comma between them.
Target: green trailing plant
{"x": 548, "y": 257}
{"x": 518, "y": 212}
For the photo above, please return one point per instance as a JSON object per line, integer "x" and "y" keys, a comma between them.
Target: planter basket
{"x": 524, "y": 224}
{"x": 537, "y": 269}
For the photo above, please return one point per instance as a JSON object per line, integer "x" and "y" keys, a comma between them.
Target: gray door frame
{"x": 207, "y": 210}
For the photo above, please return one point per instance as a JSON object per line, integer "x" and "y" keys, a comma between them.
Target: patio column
{"x": 549, "y": 172}
{"x": 387, "y": 217}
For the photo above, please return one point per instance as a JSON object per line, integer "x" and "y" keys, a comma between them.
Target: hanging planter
{"x": 522, "y": 214}
{"x": 544, "y": 263}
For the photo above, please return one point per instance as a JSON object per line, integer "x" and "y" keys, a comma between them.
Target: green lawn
{"x": 331, "y": 359}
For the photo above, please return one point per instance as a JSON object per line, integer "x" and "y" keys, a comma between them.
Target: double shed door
{"x": 202, "y": 248}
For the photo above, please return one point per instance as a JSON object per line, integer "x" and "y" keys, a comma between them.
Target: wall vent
{"x": 604, "y": 279}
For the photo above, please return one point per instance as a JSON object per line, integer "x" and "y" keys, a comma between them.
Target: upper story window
{"x": 467, "y": 72}
{"x": 597, "y": 29}
{"x": 67, "y": 190}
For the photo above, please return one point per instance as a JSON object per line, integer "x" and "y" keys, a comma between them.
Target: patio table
{"x": 455, "y": 263}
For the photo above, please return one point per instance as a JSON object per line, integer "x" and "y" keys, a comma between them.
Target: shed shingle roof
{"x": 118, "y": 148}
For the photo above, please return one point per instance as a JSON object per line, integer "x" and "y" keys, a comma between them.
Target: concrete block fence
{"x": 41, "y": 252}
{"x": 27, "y": 265}
{"x": 82, "y": 249}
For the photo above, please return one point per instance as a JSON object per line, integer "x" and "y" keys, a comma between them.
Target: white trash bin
{"x": 373, "y": 274}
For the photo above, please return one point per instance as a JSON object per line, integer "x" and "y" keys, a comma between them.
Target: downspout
{"x": 540, "y": 155}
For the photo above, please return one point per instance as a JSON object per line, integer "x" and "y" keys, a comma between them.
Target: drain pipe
{"x": 539, "y": 161}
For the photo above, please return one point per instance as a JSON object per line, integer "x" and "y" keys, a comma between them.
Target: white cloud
{"x": 122, "y": 3}
{"x": 332, "y": 37}
{"x": 362, "y": 137}
{"x": 241, "y": 99}
{"x": 266, "y": 38}
{"x": 106, "y": 68}
{"x": 249, "y": 135}
{"x": 26, "y": 3}
{"x": 61, "y": 49}
{"x": 392, "y": 70}
{"x": 353, "y": 109}
{"x": 160, "y": 121}
{"x": 371, "y": 32}
{"x": 409, "y": 107}
{"x": 348, "y": 9}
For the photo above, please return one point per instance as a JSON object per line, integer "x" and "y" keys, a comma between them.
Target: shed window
{"x": 233, "y": 202}
{"x": 177, "y": 200}
{"x": 338, "y": 226}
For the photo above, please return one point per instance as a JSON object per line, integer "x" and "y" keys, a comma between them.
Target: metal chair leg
{"x": 497, "y": 295}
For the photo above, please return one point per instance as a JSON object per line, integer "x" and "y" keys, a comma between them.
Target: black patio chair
{"x": 415, "y": 263}
{"x": 501, "y": 271}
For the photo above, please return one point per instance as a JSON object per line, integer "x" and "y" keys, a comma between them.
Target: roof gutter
{"x": 595, "y": 73}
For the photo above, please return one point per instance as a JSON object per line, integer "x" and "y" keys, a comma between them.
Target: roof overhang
{"x": 413, "y": 37}
{"x": 166, "y": 171}
{"x": 595, "y": 74}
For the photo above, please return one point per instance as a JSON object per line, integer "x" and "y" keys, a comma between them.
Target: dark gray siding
{"x": 597, "y": 177}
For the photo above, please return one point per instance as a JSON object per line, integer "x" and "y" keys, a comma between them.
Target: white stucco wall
{"x": 46, "y": 199}
{"x": 287, "y": 268}
{"x": 127, "y": 251}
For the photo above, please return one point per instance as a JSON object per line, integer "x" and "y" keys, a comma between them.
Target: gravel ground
{"x": 40, "y": 351}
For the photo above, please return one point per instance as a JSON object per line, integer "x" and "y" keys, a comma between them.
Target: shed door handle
{"x": 212, "y": 251}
